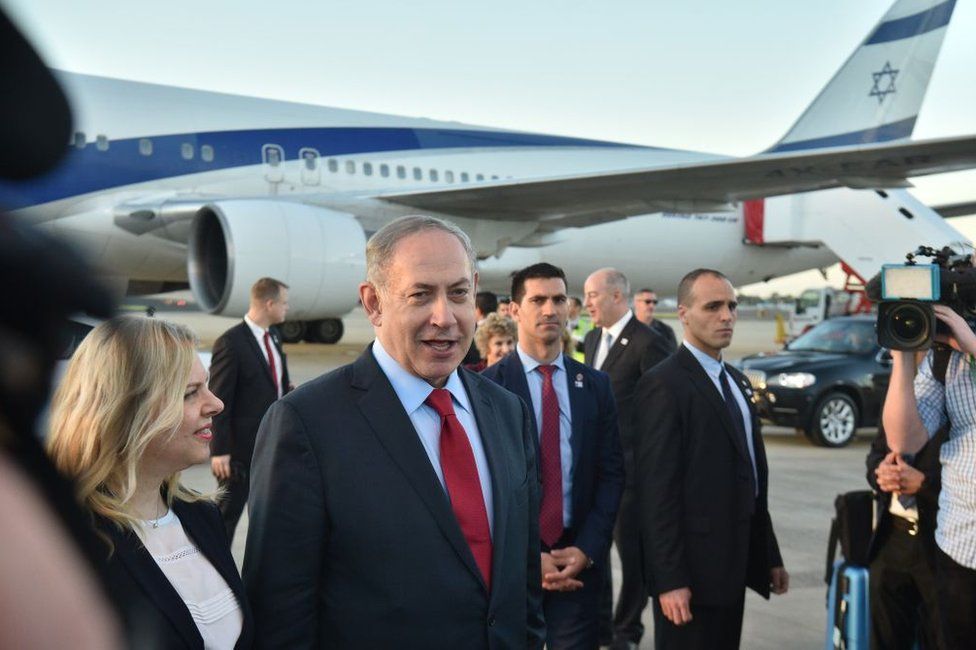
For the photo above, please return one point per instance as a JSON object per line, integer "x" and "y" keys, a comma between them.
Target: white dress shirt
{"x": 258, "y": 333}
{"x": 606, "y": 342}
{"x": 412, "y": 392}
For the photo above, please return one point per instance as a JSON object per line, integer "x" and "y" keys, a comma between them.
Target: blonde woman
{"x": 494, "y": 338}
{"x": 133, "y": 411}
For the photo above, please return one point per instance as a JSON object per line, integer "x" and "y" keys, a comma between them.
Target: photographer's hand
{"x": 962, "y": 339}
{"x": 897, "y": 476}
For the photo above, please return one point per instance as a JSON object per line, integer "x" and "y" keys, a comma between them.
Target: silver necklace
{"x": 155, "y": 522}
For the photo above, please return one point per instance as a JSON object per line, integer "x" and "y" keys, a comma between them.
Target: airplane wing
{"x": 707, "y": 186}
{"x": 950, "y": 210}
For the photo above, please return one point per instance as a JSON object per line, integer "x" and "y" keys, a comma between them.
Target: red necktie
{"x": 551, "y": 508}
{"x": 463, "y": 486}
{"x": 271, "y": 361}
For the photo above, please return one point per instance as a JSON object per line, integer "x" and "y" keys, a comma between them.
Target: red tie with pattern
{"x": 461, "y": 477}
{"x": 551, "y": 508}
{"x": 271, "y": 361}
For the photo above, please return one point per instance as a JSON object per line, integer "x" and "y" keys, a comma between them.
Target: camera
{"x": 906, "y": 320}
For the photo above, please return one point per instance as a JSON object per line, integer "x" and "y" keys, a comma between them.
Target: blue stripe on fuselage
{"x": 920, "y": 23}
{"x": 88, "y": 169}
{"x": 883, "y": 133}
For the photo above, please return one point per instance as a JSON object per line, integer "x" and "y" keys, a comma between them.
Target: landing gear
{"x": 327, "y": 330}
{"x": 292, "y": 331}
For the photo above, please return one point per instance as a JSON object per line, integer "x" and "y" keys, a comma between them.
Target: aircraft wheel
{"x": 327, "y": 330}
{"x": 292, "y": 331}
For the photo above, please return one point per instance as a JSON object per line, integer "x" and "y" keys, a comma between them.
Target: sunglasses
{"x": 649, "y": 302}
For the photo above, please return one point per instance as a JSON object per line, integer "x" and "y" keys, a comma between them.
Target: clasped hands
{"x": 560, "y": 566}
{"x": 896, "y": 476}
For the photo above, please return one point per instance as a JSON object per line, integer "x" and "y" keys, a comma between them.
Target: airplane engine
{"x": 318, "y": 253}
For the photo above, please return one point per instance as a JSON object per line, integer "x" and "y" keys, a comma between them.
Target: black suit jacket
{"x": 240, "y": 377}
{"x": 927, "y": 499}
{"x": 702, "y": 525}
{"x": 156, "y": 612}
{"x": 598, "y": 466}
{"x": 353, "y": 542}
{"x": 634, "y": 352}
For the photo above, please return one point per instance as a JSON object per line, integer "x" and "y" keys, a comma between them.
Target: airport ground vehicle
{"x": 827, "y": 383}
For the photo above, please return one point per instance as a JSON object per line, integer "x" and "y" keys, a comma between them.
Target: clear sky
{"x": 712, "y": 75}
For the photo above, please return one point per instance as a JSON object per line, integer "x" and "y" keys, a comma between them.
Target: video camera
{"x": 906, "y": 320}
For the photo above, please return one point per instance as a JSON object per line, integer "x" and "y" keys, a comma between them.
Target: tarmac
{"x": 804, "y": 480}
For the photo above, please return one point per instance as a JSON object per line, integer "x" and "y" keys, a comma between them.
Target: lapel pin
{"x": 624, "y": 341}
{"x": 579, "y": 380}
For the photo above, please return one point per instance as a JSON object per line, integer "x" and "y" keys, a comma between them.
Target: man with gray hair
{"x": 624, "y": 348}
{"x": 395, "y": 500}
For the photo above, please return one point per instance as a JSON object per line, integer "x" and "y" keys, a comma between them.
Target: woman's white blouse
{"x": 210, "y": 600}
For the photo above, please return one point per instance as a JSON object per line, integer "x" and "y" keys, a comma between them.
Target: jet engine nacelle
{"x": 317, "y": 252}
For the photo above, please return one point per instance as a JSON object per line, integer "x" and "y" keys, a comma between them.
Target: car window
{"x": 845, "y": 336}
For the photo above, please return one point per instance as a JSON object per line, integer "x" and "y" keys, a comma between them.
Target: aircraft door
{"x": 273, "y": 157}
{"x": 311, "y": 173}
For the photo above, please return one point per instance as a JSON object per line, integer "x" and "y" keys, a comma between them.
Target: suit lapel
{"x": 703, "y": 383}
{"x": 262, "y": 357}
{"x": 140, "y": 564}
{"x": 381, "y": 408}
{"x": 484, "y": 415}
{"x": 576, "y": 387}
{"x": 762, "y": 469}
{"x": 620, "y": 344}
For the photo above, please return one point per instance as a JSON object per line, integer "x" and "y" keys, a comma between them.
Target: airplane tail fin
{"x": 877, "y": 93}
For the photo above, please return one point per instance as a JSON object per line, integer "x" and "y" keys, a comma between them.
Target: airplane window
{"x": 464, "y": 177}
{"x": 145, "y": 146}
{"x": 418, "y": 175}
{"x": 101, "y": 143}
{"x": 272, "y": 154}
{"x": 207, "y": 153}
{"x": 401, "y": 171}
{"x": 333, "y": 165}
{"x": 494, "y": 177}
{"x": 368, "y": 169}
{"x": 433, "y": 175}
{"x": 449, "y": 176}
{"x": 79, "y": 140}
{"x": 310, "y": 157}
{"x": 384, "y": 170}
{"x": 186, "y": 150}
{"x": 350, "y": 166}
{"x": 480, "y": 177}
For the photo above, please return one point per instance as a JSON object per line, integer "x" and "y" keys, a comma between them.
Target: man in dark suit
{"x": 395, "y": 500}
{"x": 702, "y": 480}
{"x": 582, "y": 467}
{"x": 625, "y": 349}
{"x": 645, "y": 304}
{"x": 248, "y": 372}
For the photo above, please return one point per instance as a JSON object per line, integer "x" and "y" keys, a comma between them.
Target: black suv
{"x": 828, "y": 382}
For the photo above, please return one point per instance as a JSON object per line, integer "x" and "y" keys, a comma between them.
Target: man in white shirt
{"x": 625, "y": 349}
{"x": 248, "y": 372}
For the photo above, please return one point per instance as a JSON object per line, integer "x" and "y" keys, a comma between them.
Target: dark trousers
{"x": 572, "y": 616}
{"x": 234, "y": 498}
{"x": 903, "y": 594}
{"x": 711, "y": 628}
{"x": 633, "y": 597}
{"x": 956, "y": 594}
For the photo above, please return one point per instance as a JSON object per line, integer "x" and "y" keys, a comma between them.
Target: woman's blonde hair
{"x": 124, "y": 387}
{"x": 493, "y": 325}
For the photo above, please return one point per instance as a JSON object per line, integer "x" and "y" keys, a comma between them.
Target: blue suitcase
{"x": 848, "y": 611}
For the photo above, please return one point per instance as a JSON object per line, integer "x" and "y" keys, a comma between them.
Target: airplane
{"x": 169, "y": 187}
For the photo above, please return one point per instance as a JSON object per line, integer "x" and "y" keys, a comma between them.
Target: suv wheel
{"x": 834, "y": 421}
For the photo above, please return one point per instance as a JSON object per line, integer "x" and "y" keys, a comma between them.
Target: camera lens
{"x": 908, "y": 324}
